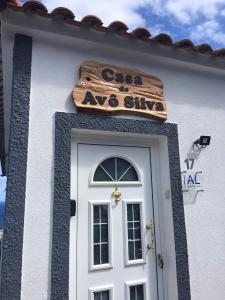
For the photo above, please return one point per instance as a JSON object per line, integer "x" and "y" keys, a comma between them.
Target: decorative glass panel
{"x": 115, "y": 169}
{"x": 104, "y": 295}
{"x": 137, "y": 292}
{"x": 101, "y": 234}
{"x": 134, "y": 232}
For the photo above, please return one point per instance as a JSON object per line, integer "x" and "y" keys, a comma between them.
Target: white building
{"x": 94, "y": 205}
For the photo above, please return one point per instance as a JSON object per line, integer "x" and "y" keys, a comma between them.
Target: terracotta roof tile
{"x": 141, "y": 33}
{"x": 34, "y": 6}
{"x": 15, "y": 2}
{"x": 63, "y": 12}
{"x": 185, "y": 43}
{"x": 163, "y": 38}
{"x": 117, "y": 26}
{"x": 204, "y": 48}
{"x": 92, "y": 21}
{"x": 220, "y": 52}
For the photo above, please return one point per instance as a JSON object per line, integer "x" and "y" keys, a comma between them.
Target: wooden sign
{"x": 113, "y": 89}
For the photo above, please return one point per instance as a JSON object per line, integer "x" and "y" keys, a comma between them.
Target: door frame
{"x": 176, "y": 274}
{"x": 86, "y": 138}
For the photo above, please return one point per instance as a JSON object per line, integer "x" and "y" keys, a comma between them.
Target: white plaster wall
{"x": 195, "y": 98}
{"x": 203, "y": 114}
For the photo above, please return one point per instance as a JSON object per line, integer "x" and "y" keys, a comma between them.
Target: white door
{"x": 115, "y": 233}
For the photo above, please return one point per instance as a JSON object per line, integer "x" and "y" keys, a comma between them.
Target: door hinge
{"x": 160, "y": 261}
{"x": 72, "y": 208}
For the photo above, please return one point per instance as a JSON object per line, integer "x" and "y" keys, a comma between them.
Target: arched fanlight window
{"x": 115, "y": 169}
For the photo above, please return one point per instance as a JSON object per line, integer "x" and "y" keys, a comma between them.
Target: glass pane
{"x": 136, "y": 208}
{"x": 109, "y": 166}
{"x": 130, "y": 233}
{"x": 132, "y": 293}
{"x": 105, "y": 295}
{"x": 96, "y": 233}
{"x": 100, "y": 234}
{"x": 104, "y": 233}
{"x": 101, "y": 295}
{"x": 129, "y": 213}
{"x": 104, "y": 213}
{"x": 137, "y": 292}
{"x": 140, "y": 292}
{"x": 97, "y": 296}
{"x": 134, "y": 232}
{"x": 96, "y": 255}
{"x": 130, "y": 175}
{"x": 96, "y": 214}
{"x": 115, "y": 169}
{"x": 104, "y": 253}
{"x": 137, "y": 231}
{"x": 138, "y": 250}
{"x": 101, "y": 175}
{"x": 131, "y": 250}
{"x": 122, "y": 166}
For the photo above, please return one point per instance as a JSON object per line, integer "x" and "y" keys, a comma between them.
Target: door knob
{"x": 149, "y": 226}
{"x": 116, "y": 195}
{"x": 151, "y": 247}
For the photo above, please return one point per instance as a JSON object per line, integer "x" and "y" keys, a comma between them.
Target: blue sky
{"x": 2, "y": 186}
{"x": 202, "y": 21}
{"x": 2, "y": 198}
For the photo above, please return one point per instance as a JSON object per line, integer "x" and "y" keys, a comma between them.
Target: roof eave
{"x": 29, "y": 21}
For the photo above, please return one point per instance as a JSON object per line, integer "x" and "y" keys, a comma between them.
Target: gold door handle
{"x": 151, "y": 247}
{"x": 149, "y": 226}
{"x": 116, "y": 195}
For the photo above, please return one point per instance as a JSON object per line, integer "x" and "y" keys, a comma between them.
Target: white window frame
{"x": 112, "y": 183}
{"x": 101, "y": 289}
{"x": 143, "y": 282}
{"x": 126, "y": 250}
{"x": 91, "y": 204}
